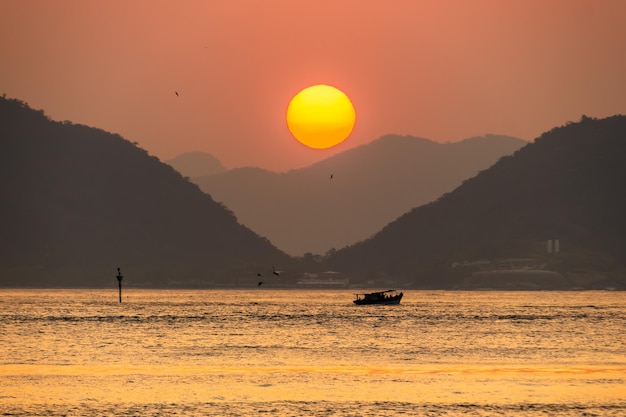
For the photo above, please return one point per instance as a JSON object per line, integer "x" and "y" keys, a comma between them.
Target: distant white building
{"x": 323, "y": 279}
{"x": 553, "y": 246}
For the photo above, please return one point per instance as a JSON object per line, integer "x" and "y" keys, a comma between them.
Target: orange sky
{"x": 443, "y": 70}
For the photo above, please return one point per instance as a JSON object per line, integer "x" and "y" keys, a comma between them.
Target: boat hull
{"x": 378, "y": 299}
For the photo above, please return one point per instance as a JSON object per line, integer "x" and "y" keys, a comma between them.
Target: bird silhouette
{"x": 275, "y": 272}
{"x": 176, "y": 92}
{"x": 332, "y": 176}
{"x": 259, "y": 284}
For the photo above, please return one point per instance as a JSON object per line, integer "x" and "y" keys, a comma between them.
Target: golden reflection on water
{"x": 177, "y": 348}
{"x": 445, "y": 384}
{"x": 60, "y": 370}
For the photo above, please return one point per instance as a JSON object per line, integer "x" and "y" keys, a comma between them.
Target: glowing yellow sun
{"x": 320, "y": 116}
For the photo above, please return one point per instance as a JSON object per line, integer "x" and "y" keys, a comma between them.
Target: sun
{"x": 320, "y": 116}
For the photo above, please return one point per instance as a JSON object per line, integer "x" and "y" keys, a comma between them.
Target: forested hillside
{"x": 570, "y": 185}
{"x": 78, "y": 202}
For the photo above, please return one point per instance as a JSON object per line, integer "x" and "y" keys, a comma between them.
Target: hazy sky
{"x": 443, "y": 70}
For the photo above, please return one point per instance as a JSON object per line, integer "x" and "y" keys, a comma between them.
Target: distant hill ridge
{"x": 196, "y": 164}
{"x": 305, "y": 210}
{"x": 77, "y": 202}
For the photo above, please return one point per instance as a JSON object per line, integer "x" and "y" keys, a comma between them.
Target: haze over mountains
{"x": 77, "y": 202}
{"x": 308, "y": 211}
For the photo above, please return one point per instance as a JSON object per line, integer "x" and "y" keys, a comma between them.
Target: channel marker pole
{"x": 119, "y": 281}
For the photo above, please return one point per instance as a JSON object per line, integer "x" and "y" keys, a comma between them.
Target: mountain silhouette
{"x": 570, "y": 185}
{"x": 196, "y": 164}
{"x": 78, "y": 202}
{"x": 350, "y": 196}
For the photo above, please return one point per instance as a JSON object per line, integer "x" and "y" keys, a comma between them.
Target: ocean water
{"x": 311, "y": 353}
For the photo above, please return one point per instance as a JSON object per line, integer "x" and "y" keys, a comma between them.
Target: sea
{"x": 261, "y": 351}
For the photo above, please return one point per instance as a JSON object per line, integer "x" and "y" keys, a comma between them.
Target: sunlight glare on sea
{"x": 311, "y": 352}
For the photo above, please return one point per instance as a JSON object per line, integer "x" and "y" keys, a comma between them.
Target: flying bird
{"x": 259, "y": 284}
{"x": 332, "y": 176}
{"x": 275, "y": 272}
{"x": 176, "y": 92}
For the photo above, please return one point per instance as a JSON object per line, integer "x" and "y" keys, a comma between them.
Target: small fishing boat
{"x": 381, "y": 297}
